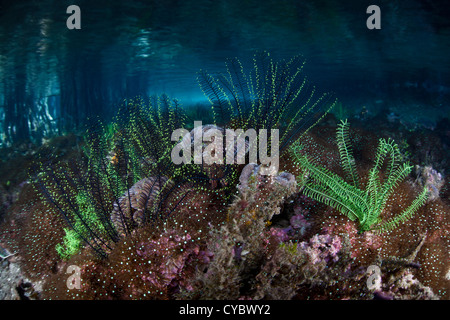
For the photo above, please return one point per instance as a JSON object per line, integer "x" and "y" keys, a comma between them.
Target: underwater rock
{"x": 429, "y": 177}
{"x": 9, "y": 195}
{"x": 403, "y": 285}
{"x": 14, "y": 285}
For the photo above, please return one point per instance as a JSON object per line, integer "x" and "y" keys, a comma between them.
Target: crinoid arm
{"x": 272, "y": 95}
{"x": 327, "y": 187}
{"x": 126, "y": 177}
{"x": 346, "y": 153}
{"x": 405, "y": 214}
{"x": 367, "y": 205}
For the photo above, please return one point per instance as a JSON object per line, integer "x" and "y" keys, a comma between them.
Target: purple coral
{"x": 321, "y": 248}
{"x": 178, "y": 252}
{"x": 298, "y": 221}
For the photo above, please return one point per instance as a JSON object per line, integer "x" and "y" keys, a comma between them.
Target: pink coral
{"x": 322, "y": 248}
{"x": 298, "y": 221}
{"x": 177, "y": 252}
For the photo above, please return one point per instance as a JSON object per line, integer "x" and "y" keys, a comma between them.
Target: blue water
{"x": 391, "y": 82}
{"x": 53, "y": 78}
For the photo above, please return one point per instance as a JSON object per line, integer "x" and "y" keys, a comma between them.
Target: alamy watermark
{"x": 374, "y": 277}
{"x": 74, "y": 280}
{"x": 213, "y": 145}
{"x": 73, "y": 22}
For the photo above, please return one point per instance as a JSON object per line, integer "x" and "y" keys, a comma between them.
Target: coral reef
{"x": 432, "y": 218}
{"x": 273, "y": 242}
{"x": 137, "y": 226}
{"x": 318, "y": 262}
{"x": 258, "y": 261}
{"x": 243, "y": 241}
